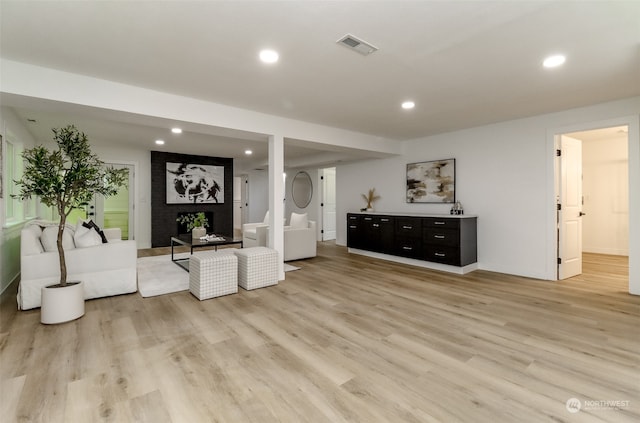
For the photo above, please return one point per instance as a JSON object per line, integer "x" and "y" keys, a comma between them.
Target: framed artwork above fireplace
{"x": 194, "y": 183}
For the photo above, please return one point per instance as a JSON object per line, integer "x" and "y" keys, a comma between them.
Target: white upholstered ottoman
{"x": 257, "y": 267}
{"x": 213, "y": 274}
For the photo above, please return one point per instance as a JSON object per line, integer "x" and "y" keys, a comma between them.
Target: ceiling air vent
{"x": 356, "y": 44}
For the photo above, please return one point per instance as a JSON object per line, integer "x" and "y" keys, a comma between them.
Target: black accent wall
{"x": 163, "y": 215}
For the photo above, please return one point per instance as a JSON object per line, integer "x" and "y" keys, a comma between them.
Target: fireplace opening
{"x": 182, "y": 227}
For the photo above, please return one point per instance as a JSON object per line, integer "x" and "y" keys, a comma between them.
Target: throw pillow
{"x": 298, "y": 220}
{"x": 49, "y": 239}
{"x": 266, "y": 217}
{"x": 92, "y": 224}
{"x": 30, "y": 240}
{"x": 86, "y": 235}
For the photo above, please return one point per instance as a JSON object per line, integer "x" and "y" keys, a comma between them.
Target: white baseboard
{"x": 608, "y": 251}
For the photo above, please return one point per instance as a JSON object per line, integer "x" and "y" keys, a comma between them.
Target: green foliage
{"x": 69, "y": 176}
{"x": 66, "y": 178}
{"x": 193, "y": 220}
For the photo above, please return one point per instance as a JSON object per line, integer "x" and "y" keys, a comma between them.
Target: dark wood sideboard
{"x": 444, "y": 239}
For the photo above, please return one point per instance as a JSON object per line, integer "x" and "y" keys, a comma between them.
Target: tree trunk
{"x": 63, "y": 263}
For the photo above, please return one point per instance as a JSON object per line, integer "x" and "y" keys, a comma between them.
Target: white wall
{"x": 495, "y": 179}
{"x": 504, "y": 174}
{"x": 605, "y": 226}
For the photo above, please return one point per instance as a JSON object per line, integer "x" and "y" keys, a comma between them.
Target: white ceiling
{"x": 464, "y": 63}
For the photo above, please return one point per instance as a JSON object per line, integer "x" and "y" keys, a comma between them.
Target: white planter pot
{"x": 62, "y": 304}
{"x": 198, "y": 232}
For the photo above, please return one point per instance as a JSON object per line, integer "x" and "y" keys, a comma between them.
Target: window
{"x": 10, "y": 185}
{"x": 16, "y": 210}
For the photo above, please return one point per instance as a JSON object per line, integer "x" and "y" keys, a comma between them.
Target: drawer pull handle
{"x": 439, "y": 254}
{"x": 384, "y": 220}
{"x": 407, "y": 227}
{"x": 439, "y": 223}
{"x": 407, "y": 248}
{"x": 353, "y": 227}
{"x": 375, "y": 225}
{"x": 368, "y": 218}
{"x": 439, "y": 236}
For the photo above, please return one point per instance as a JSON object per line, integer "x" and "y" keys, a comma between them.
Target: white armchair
{"x": 300, "y": 240}
{"x": 254, "y": 235}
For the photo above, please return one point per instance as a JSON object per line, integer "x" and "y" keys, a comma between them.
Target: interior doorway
{"x": 602, "y": 222}
{"x": 237, "y": 206}
{"x": 328, "y": 203}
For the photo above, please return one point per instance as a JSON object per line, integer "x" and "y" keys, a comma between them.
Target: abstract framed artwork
{"x": 194, "y": 184}
{"x": 431, "y": 182}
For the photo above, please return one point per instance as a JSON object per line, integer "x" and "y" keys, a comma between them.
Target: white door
{"x": 244, "y": 199}
{"x": 237, "y": 205}
{"x": 570, "y": 213}
{"x": 329, "y": 204}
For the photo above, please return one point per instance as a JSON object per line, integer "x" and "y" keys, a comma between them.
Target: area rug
{"x": 158, "y": 275}
{"x": 290, "y": 268}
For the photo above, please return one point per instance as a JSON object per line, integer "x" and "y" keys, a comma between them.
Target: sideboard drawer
{"x": 441, "y": 237}
{"x": 442, "y": 222}
{"x": 409, "y": 247}
{"x": 445, "y": 255}
{"x": 408, "y": 227}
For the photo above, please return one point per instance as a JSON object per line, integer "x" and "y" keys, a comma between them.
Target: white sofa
{"x": 299, "y": 242}
{"x": 105, "y": 269}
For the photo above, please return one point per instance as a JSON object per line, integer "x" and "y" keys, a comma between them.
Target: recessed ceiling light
{"x": 176, "y": 130}
{"x": 408, "y": 105}
{"x": 160, "y": 142}
{"x": 554, "y": 61}
{"x": 248, "y": 152}
{"x": 269, "y": 56}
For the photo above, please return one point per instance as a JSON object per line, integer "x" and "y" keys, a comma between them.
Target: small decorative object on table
{"x": 370, "y": 197}
{"x": 211, "y": 237}
{"x": 457, "y": 208}
{"x": 196, "y": 224}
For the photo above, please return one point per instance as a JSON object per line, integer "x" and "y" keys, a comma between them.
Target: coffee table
{"x": 187, "y": 240}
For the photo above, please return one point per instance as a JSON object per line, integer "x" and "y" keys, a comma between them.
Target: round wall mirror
{"x": 302, "y": 189}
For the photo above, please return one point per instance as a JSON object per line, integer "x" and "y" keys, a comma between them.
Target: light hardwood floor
{"x": 345, "y": 339}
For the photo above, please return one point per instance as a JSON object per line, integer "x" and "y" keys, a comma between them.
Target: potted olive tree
{"x": 65, "y": 178}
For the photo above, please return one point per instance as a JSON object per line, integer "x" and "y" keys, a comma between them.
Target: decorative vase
{"x": 198, "y": 232}
{"x": 369, "y": 209}
{"x": 61, "y": 304}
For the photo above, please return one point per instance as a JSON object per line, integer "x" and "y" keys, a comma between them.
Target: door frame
{"x": 135, "y": 196}
{"x": 633, "y": 123}
{"x": 321, "y": 189}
